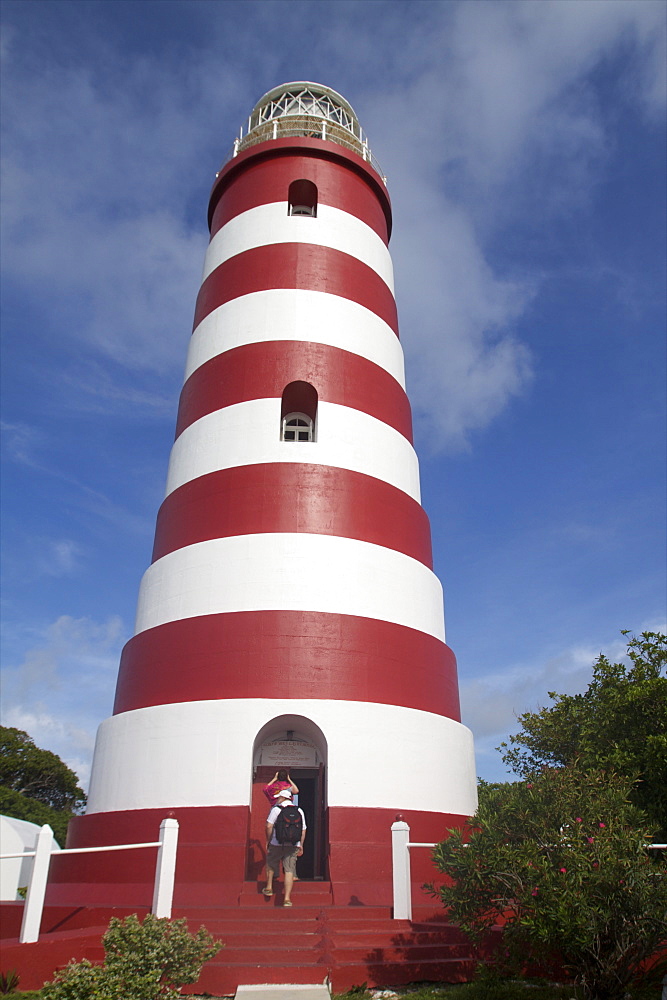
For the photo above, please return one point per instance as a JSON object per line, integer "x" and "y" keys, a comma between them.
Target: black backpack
{"x": 288, "y": 826}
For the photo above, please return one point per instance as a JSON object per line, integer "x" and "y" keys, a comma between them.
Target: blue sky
{"x": 525, "y": 153}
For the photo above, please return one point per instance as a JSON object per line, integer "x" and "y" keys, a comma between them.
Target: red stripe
{"x": 319, "y": 499}
{"x": 297, "y": 654}
{"x": 211, "y": 852}
{"x": 297, "y": 265}
{"x": 262, "y": 175}
{"x": 360, "y": 850}
{"x": 262, "y": 370}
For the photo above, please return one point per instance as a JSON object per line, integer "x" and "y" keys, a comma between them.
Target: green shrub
{"x": 9, "y": 981}
{"x": 143, "y": 961}
{"x": 561, "y": 861}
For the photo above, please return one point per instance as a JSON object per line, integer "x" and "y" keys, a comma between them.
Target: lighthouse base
{"x": 214, "y": 850}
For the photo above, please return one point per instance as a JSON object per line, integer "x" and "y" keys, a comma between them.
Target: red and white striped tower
{"x": 290, "y": 614}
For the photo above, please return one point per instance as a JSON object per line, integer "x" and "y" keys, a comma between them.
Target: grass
{"x": 529, "y": 989}
{"x": 525, "y": 990}
{"x": 488, "y": 989}
{"x": 478, "y": 991}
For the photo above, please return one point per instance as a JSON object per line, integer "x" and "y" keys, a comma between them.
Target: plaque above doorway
{"x": 291, "y": 750}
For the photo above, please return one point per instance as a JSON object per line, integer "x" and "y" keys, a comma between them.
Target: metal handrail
{"x": 304, "y": 127}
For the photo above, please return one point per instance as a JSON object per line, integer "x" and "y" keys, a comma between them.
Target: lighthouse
{"x": 290, "y": 616}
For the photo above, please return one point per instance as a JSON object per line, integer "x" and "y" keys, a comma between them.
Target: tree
{"x": 618, "y": 723}
{"x": 147, "y": 961}
{"x": 20, "y": 807}
{"x": 36, "y": 785}
{"x": 560, "y": 861}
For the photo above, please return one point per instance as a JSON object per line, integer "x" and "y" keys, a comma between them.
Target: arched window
{"x": 298, "y": 412}
{"x": 302, "y": 198}
{"x": 297, "y": 427}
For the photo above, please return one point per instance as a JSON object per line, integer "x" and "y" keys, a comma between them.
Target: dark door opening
{"x": 310, "y": 780}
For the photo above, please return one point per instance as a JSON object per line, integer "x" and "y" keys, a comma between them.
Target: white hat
{"x": 284, "y": 793}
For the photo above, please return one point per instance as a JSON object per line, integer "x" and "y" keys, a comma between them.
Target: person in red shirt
{"x": 280, "y": 780}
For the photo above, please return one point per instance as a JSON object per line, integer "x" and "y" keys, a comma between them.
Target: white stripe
{"x": 270, "y": 224}
{"x": 248, "y": 434}
{"x": 297, "y": 314}
{"x": 201, "y": 754}
{"x": 291, "y": 571}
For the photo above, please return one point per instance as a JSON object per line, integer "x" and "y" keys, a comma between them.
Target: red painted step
{"x": 271, "y": 944}
{"x": 37, "y": 963}
{"x": 303, "y": 894}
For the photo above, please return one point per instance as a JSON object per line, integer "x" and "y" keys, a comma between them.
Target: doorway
{"x": 312, "y": 865}
{"x": 303, "y": 751}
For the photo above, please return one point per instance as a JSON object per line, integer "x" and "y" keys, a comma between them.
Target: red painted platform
{"x": 266, "y": 943}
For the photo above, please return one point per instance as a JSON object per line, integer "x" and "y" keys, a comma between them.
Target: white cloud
{"x": 492, "y": 117}
{"x": 491, "y": 703}
{"x": 61, "y": 557}
{"x": 21, "y": 441}
{"x": 63, "y": 687}
{"x": 488, "y": 114}
{"x": 27, "y": 445}
{"x": 94, "y": 389}
{"x": 97, "y": 224}
{"x": 71, "y": 743}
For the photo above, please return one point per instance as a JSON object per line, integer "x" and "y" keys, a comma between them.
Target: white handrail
{"x": 86, "y": 850}
{"x": 34, "y": 902}
{"x": 163, "y": 889}
{"x": 400, "y": 856}
{"x": 400, "y": 852}
{"x": 165, "y": 869}
{"x": 258, "y": 133}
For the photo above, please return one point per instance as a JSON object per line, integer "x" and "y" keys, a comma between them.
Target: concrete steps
{"x": 283, "y": 991}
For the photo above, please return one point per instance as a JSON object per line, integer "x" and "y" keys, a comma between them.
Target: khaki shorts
{"x": 285, "y": 853}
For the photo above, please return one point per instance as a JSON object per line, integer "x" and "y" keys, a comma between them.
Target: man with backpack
{"x": 285, "y": 836}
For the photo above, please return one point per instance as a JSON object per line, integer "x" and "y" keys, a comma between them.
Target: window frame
{"x": 295, "y": 421}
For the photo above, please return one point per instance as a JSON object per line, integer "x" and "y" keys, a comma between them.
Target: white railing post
{"x": 34, "y": 904}
{"x": 400, "y": 852}
{"x": 324, "y": 128}
{"x": 165, "y": 869}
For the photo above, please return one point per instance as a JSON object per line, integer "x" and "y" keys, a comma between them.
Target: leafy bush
{"x": 618, "y": 724}
{"x": 560, "y": 861}
{"x": 9, "y": 981}
{"x": 143, "y": 961}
